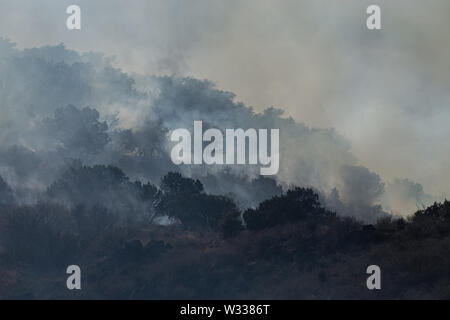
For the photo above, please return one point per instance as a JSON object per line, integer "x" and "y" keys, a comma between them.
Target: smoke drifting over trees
{"x": 86, "y": 176}
{"x": 59, "y": 106}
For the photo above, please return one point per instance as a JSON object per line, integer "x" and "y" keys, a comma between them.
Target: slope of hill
{"x": 288, "y": 247}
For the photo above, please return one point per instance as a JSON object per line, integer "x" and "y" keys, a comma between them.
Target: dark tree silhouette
{"x": 184, "y": 199}
{"x": 296, "y": 204}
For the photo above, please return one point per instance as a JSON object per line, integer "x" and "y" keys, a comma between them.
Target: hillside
{"x": 287, "y": 247}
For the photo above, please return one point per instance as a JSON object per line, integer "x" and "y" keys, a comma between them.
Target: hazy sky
{"x": 387, "y": 91}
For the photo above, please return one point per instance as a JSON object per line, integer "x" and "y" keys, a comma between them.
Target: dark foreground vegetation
{"x": 288, "y": 247}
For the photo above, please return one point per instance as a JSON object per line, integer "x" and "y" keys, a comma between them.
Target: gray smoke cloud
{"x": 385, "y": 92}
{"x": 47, "y": 132}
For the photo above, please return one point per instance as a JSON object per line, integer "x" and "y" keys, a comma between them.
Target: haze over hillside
{"x": 87, "y": 177}
{"x": 59, "y": 105}
{"x": 385, "y": 91}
